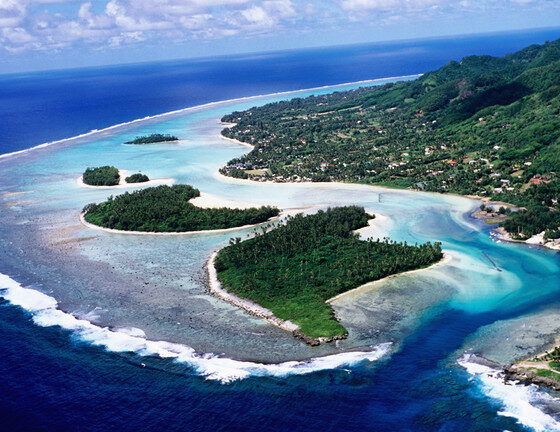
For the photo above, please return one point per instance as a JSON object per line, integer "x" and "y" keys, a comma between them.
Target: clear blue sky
{"x": 54, "y": 34}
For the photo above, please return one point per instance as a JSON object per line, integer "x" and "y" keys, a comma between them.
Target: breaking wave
{"x": 527, "y": 404}
{"x": 44, "y": 311}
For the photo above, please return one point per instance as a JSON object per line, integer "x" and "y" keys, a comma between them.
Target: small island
{"x": 294, "y": 269}
{"x": 153, "y": 139}
{"x": 101, "y": 176}
{"x": 137, "y": 178}
{"x": 110, "y": 176}
{"x": 166, "y": 209}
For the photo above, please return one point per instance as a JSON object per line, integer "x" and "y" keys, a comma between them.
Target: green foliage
{"x": 137, "y": 178}
{"x": 483, "y": 126}
{"x": 101, "y": 176}
{"x": 167, "y": 209}
{"x": 294, "y": 268}
{"x": 153, "y": 138}
{"x": 546, "y": 373}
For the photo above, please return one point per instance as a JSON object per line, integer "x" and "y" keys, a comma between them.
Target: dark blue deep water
{"x": 48, "y": 106}
{"x": 50, "y": 381}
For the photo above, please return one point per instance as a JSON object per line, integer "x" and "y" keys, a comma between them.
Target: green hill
{"x": 485, "y": 125}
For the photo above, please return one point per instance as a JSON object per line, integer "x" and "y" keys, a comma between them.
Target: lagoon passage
{"x": 146, "y": 297}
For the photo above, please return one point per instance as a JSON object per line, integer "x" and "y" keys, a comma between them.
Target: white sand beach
{"x": 216, "y": 288}
{"x": 445, "y": 260}
{"x": 123, "y": 184}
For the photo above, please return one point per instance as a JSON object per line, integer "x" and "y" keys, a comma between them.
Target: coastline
{"x": 94, "y": 132}
{"x": 445, "y": 260}
{"x": 123, "y": 184}
{"x": 216, "y": 288}
{"x": 150, "y": 233}
{"x": 537, "y": 240}
{"x": 498, "y": 232}
{"x": 236, "y": 141}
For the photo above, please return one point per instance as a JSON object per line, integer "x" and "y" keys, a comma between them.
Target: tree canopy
{"x": 101, "y": 176}
{"x": 167, "y": 209}
{"x": 294, "y": 268}
{"x": 487, "y": 126}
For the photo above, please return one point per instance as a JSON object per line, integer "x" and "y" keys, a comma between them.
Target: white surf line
{"x": 199, "y": 107}
{"x": 518, "y": 401}
{"x": 45, "y": 313}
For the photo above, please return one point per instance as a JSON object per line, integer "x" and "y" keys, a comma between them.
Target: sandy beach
{"x": 216, "y": 288}
{"x": 537, "y": 240}
{"x": 123, "y": 184}
{"x": 147, "y": 233}
{"x": 237, "y": 142}
{"x": 445, "y": 260}
{"x": 206, "y": 200}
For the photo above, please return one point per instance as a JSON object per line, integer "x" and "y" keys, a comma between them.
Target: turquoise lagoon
{"x": 496, "y": 300}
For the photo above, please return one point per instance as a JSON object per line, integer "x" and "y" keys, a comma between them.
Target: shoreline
{"x": 236, "y": 141}
{"x": 123, "y": 184}
{"x": 446, "y": 259}
{"x": 215, "y": 287}
{"x": 94, "y": 132}
{"x": 153, "y": 233}
{"x": 500, "y": 233}
{"x": 234, "y": 180}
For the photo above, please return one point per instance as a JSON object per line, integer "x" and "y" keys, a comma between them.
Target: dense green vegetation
{"x": 137, "y": 178}
{"x": 485, "y": 125}
{"x": 153, "y": 138}
{"x": 101, "y": 176}
{"x": 546, "y": 373}
{"x": 167, "y": 209}
{"x": 294, "y": 268}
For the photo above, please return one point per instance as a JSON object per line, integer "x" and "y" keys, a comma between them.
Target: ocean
{"x": 47, "y": 106}
{"x": 103, "y": 365}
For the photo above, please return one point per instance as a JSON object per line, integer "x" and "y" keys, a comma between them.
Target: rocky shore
{"x": 262, "y": 312}
{"x": 524, "y": 375}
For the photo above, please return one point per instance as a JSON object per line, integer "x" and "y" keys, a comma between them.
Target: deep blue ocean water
{"x": 51, "y": 381}
{"x": 48, "y": 106}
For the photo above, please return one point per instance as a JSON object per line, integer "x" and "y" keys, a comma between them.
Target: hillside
{"x": 485, "y": 126}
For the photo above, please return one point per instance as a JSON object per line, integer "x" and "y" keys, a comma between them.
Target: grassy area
{"x": 546, "y": 373}
{"x": 293, "y": 269}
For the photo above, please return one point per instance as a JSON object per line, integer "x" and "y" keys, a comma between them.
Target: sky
{"x": 58, "y": 34}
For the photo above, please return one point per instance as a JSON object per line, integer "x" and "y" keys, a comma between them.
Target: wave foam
{"x": 44, "y": 312}
{"x": 520, "y": 402}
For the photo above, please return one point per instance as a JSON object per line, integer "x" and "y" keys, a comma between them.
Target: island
{"x": 166, "y": 209}
{"x": 101, "y": 176}
{"x": 486, "y": 127}
{"x": 153, "y": 139}
{"x": 295, "y": 268}
{"x": 137, "y": 178}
